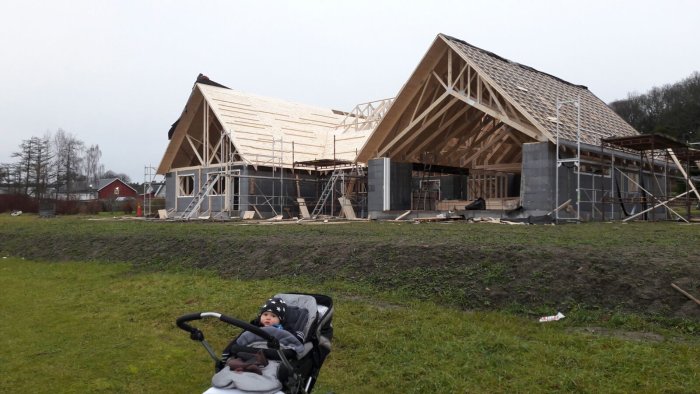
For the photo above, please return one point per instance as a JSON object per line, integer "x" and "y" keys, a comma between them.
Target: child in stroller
{"x": 265, "y": 358}
{"x": 271, "y": 316}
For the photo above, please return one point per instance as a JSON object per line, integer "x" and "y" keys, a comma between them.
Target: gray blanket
{"x": 248, "y": 381}
{"x": 266, "y": 383}
{"x": 287, "y": 340}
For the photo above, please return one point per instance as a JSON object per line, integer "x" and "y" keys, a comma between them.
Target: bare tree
{"x": 68, "y": 159}
{"x": 4, "y": 174}
{"x": 92, "y": 164}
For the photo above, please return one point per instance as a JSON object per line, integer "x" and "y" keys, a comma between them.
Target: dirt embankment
{"x": 470, "y": 275}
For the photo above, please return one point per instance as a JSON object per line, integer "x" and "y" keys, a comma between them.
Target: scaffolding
{"x": 576, "y": 160}
{"x": 654, "y": 153}
{"x": 151, "y": 185}
{"x": 267, "y": 193}
{"x": 343, "y": 181}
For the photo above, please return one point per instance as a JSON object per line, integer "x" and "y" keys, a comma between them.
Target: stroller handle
{"x": 197, "y": 335}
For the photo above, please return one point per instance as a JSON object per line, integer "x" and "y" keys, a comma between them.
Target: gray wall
{"x": 250, "y": 191}
{"x": 375, "y": 185}
{"x": 170, "y": 190}
{"x": 538, "y": 185}
{"x": 537, "y": 182}
{"x": 399, "y": 184}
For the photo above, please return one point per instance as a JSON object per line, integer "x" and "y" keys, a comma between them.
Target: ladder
{"x": 199, "y": 197}
{"x": 326, "y": 192}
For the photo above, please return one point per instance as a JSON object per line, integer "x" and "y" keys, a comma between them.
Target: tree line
{"x": 673, "y": 110}
{"x": 54, "y": 162}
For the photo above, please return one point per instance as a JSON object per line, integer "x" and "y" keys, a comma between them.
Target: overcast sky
{"x": 118, "y": 73}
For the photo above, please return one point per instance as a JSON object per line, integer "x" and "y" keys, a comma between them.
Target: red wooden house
{"x": 114, "y": 188}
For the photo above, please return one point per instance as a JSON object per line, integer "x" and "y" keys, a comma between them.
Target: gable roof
{"x": 104, "y": 182}
{"x": 267, "y": 131}
{"x": 537, "y": 93}
{"x": 254, "y": 121}
{"x": 469, "y": 107}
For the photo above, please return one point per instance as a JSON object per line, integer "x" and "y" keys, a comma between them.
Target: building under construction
{"x": 469, "y": 134}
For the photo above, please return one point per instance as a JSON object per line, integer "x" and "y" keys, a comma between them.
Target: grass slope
{"x": 530, "y": 269}
{"x": 94, "y": 327}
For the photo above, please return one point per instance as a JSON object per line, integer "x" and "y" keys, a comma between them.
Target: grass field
{"x": 91, "y": 327}
{"x": 96, "y": 324}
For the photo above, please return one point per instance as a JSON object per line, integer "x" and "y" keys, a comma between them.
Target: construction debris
{"x": 545, "y": 319}
{"x": 685, "y": 293}
{"x": 494, "y": 220}
{"x": 403, "y": 215}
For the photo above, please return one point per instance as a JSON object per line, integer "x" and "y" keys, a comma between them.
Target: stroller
{"x": 309, "y": 317}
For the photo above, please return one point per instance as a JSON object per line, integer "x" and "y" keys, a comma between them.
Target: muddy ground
{"x": 464, "y": 265}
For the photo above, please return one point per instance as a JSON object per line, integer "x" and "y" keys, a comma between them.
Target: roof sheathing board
{"x": 537, "y": 93}
{"x": 253, "y": 122}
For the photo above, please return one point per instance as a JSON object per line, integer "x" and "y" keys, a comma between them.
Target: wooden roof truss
{"x": 204, "y": 142}
{"x": 365, "y": 116}
{"x": 458, "y": 119}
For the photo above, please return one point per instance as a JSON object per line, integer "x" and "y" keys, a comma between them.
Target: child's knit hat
{"x": 275, "y": 305}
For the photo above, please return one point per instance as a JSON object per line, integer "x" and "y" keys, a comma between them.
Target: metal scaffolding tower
{"x": 576, "y": 160}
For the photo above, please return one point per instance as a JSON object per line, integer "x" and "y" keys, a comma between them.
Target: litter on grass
{"x": 556, "y": 317}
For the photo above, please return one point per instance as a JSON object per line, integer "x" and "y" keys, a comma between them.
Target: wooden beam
{"x": 495, "y": 99}
{"x": 435, "y": 96}
{"x": 420, "y": 99}
{"x": 194, "y": 149}
{"x": 420, "y": 117}
{"x": 444, "y": 85}
{"x": 480, "y": 150}
{"x": 685, "y": 293}
{"x": 504, "y": 167}
{"x": 460, "y": 76}
{"x": 495, "y": 149}
{"x": 403, "y": 100}
{"x": 537, "y": 126}
{"x": 437, "y": 132}
{"x": 449, "y": 69}
{"x": 506, "y": 151}
{"x": 529, "y": 131}
{"x": 484, "y": 134}
{"x": 490, "y": 151}
{"x": 215, "y": 149}
{"x": 470, "y": 134}
{"x": 205, "y": 133}
{"x": 425, "y": 125}
{"x": 682, "y": 171}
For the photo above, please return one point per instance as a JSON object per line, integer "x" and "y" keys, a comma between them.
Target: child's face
{"x": 269, "y": 319}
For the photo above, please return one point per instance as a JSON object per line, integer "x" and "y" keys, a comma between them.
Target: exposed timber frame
{"x": 450, "y": 111}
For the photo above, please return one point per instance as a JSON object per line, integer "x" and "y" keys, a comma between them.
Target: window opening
{"x": 185, "y": 185}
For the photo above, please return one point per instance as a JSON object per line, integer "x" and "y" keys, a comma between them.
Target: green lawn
{"x": 94, "y": 327}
